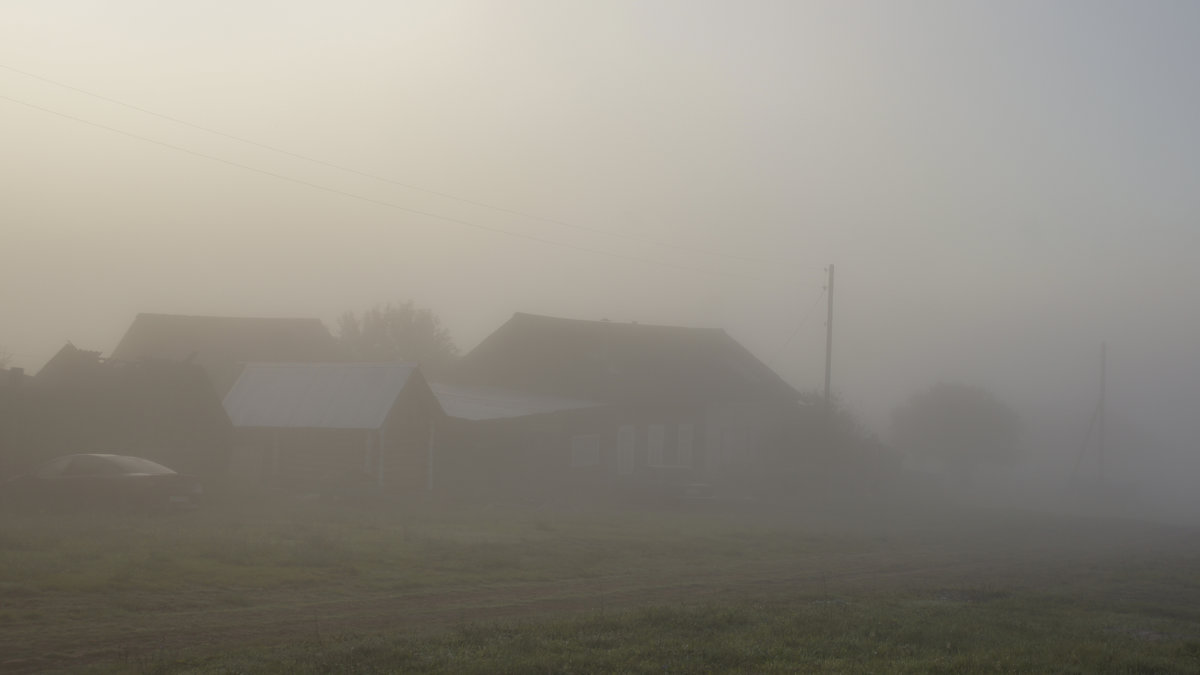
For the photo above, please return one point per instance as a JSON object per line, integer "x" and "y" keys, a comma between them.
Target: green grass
{"x": 954, "y": 632}
{"x": 279, "y": 586}
{"x": 310, "y": 544}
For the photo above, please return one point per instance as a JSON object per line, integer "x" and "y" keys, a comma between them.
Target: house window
{"x": 585, "y": 450}
{"x": 662, "y": 454}
{"x": 656, "y": 436}
{"x": 626, "y": 443}
{"x": 683, "y": 446}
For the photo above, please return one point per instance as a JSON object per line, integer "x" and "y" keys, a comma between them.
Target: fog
{"x": 1002, "y": 186}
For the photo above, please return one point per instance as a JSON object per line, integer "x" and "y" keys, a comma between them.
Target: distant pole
{"x": 1100, "y": 410}
{"x": 829, "y": 342}
{"x": 1096, "y": 423}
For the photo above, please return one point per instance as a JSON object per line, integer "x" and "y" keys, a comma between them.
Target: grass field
{"x": 279, "y": 586}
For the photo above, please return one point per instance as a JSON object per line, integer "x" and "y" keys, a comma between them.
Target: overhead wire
{"x": 380, "y": 202}
{"x": 800, "y": 324}
{"x": 383, "y": 179}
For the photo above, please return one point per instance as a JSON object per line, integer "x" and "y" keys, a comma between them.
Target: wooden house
{"x": 82, "y": 402}
{"x": 326, "y": 427}
{"x": 681, "y": 406}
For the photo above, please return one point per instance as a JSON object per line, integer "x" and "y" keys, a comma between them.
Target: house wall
{"x": 391, "y": 459}
{"x": 740, "y": 437}
{"x": 303, "y": 460}
{"x": 159, "y": 416}
{"x": 519, "y": 459}
{"x": 668, "y": 449}
{"x": 579, "y": 453}
{"x": 405, "y": 437}
{"x": 573, "y": 454}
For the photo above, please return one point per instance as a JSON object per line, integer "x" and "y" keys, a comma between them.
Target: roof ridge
{"x": 332, "y": 364}
{"x": 608, "y": 322}
{"x": 164, "y": 315}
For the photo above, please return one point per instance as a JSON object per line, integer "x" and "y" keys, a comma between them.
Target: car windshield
{"x": 53, "y": 469}
{"x": 100, "y": 465}
{"x": 138, "y": 465}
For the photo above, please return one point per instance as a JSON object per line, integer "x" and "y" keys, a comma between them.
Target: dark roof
{"x": 163, "y": 410}
{"x": 71, "y": 366}
{"x": 221, "y": 343}
{"x": 620, "y": 362}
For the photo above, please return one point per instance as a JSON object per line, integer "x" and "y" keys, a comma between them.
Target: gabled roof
{"x": 317, "y": 395}
{"x": 208, "y": 339}
{"x": 72, "y": 366}
{"x": 220, "y": 343}
{"x": 620, "y": 362}
{"x": 166, "y": 411}
{"x": 476, "y": 403}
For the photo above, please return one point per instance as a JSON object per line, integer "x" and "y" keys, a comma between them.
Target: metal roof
{"x": 316, "y": 395}
{"x": 471, "y": 402}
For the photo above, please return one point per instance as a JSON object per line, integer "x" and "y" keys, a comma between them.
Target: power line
{"x": 383, "y": 179}
{"x": 380, "y": 202}
{"x": 800, "y": 324}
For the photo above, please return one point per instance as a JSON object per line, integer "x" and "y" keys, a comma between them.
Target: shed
{"x": 321, "y": 426}
{"x": 81, "y": 402}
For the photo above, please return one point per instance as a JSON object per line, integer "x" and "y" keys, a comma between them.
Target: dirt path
{"x": 65, "y": 637}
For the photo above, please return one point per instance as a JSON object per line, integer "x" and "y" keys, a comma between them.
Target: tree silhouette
{"x": 397, "y": 332}
{"x": 959, "y": 426}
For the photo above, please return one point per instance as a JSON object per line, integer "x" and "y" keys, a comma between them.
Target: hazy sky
{"x": 1001, "y": 185}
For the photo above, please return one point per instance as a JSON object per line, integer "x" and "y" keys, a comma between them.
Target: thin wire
{"x": 380, "y": 202}
{"x": 339, "y": 167}
{"x": 800, "y": 324}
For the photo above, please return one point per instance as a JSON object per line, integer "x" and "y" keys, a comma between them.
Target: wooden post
{"x": 1100, "y": 411}
{"x": 829, "y": 431}
{"x": 367, "y": 451}
{"x": 275, "y": 459}
{"x": 429, "y": 459}
{"x": 382, "y": 452}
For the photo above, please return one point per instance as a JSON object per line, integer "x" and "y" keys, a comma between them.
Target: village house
{"x": 674, "y": 408}
{"x": 81, "y": 402}
{"x": 543, "y": 407}
{"x": 334, "y": 427}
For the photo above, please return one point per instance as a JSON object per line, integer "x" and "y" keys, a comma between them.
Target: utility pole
{"x": 1096, "y": 423}
{"x": 1100, "y": 410}
{"x": 829, "y": 343}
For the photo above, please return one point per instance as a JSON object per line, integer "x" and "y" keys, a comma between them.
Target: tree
{"x": 831, "y": 421}
{"x": 397, "y": 332}
{"x": 959, "y": 426}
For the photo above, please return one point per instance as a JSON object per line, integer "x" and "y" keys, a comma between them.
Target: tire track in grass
{"x": 56, "y": 644}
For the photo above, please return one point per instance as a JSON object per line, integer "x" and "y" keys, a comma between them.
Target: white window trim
{"x": 656, "y": 441}
{"x": 684, "y": 442}
{"x": 626, "y": 448}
